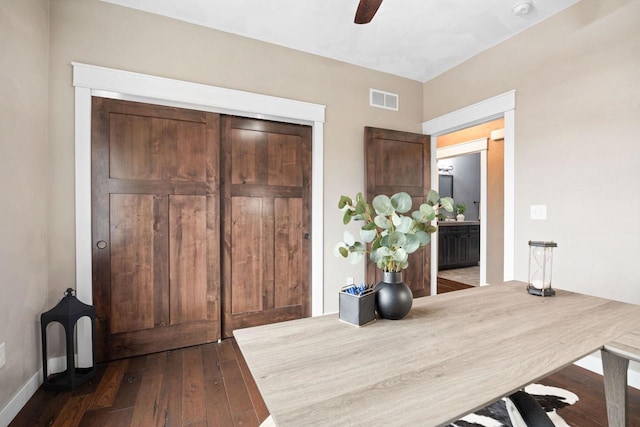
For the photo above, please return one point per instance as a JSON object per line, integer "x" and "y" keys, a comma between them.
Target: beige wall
{"x": 495, "y": 191}
{"x": 93, "y": 32}
{"x": 576, "y": 147}
{"x": 24, "y": 58}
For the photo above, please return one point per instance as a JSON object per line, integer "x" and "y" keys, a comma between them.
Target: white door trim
{"x": 490, "y": 109}
{"x": 475, "y": 146}
{"x": 90, "y": 80}
{"x": 471, "y": 147}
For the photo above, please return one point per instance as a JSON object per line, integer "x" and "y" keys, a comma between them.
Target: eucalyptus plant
{"x": 390, "y": 235}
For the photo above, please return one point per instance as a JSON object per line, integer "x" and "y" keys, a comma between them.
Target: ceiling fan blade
{"x": 366, "y": 11}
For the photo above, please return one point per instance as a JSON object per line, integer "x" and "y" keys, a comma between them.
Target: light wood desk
{"x": 453, "y": 353}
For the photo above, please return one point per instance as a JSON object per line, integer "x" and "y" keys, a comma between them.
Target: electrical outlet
{"x": 3, "y": 359}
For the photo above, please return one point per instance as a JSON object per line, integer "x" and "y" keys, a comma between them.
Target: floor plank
{"x": 171, "y": 391}
{"x": 193, "y": 400}
{"x": 218, "y": 408}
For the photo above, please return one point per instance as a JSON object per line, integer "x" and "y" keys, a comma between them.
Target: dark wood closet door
{"x": 156, "y": 238}
{"x": 267, "y": 222}
{"x": 400, "y": 161}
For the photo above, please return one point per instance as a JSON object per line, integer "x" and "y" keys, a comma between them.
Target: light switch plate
{"x": 539, "y": 212}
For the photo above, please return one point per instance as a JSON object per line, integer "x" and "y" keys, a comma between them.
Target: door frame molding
{"x": 502, "y": 105}
{"x": 91, "y": 80}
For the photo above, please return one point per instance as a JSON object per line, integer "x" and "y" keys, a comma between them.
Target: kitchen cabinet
{"x": 458, "y": 245}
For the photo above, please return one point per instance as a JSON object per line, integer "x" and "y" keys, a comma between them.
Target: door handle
{"x": 101, "y": 244}
{"x": 306, "y": 236}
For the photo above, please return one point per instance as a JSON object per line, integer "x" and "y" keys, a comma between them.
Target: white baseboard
{"x": 21, "y": 398}
{"x": 9, "y": 412}
{"x": 594, "y": 364}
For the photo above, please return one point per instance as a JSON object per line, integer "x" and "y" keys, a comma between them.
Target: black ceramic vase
{"x": 393, "y": 297}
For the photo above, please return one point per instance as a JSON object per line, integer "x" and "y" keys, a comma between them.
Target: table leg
{"x": 615, "y": 388}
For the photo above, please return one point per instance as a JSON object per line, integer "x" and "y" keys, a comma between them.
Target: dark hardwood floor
{"x": 210, "y": 385}
{"x": 206, "y": 385}
{"x": 446, "y": 285}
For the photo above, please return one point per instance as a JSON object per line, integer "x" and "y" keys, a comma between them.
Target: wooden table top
{"x": 454, "y": 353}
{"x": 627, "y": 345}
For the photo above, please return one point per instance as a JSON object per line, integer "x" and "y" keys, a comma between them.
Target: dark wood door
{"x": 400, "y": 161}
{"x": 156, "y": 238}
{"x": 267, "y": 220}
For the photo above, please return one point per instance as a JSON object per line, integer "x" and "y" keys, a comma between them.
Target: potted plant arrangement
{"x": 390, "y": 237}
{"x": 461, "y": 208}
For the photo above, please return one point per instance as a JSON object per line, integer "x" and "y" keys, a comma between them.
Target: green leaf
{"x": 382, "y": 222}
{"x": 376, "y": 243}
{"x": 348, "y": 238}
{"x": 369, "y": 226}
{"x": 397, "y": 239}
{"x": 400, "y": 255}
{"x": 447, "y": 203}
{"x": 401, "y": 202}
{"x": 382, "y": 205}
{"x": 431, "y": 229}
{"x": 346, "y": 219}
{"x": 382, "y": 251}
{"x": 428, "y": 212}
{"x": 405, "y": 224}
{"x": 433, "y": 197}
{"x": 424, "y": 238}
{"x": 375, "y": 256}
{"x": 343, "y": 251}
{"x": 413, "y": 243}
{"x": 344, "y": 201}
{"x": 418, "y": 217}
{"x": 395, "y": 218}
{"x": 367, "y": 235}
{"x": 358, "y": 247}
{"x": 355, "y": 257}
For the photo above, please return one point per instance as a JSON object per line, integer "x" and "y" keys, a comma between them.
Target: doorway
{"x": 465, "y": 242}
{"x": 459, "y": 237}
{"x": 91, "y": 80}
{"x": 500, "y": 106}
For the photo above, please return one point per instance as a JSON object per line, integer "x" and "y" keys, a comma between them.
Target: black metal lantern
{"x": 68, "y": 311}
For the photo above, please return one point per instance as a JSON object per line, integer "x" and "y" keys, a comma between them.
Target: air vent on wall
{"x": 380, "y": 99}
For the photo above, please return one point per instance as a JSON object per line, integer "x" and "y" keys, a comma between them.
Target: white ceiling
{"x": 416, "y": 39}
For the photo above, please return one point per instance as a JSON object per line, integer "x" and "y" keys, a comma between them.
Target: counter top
{"x": 450, "y": 223}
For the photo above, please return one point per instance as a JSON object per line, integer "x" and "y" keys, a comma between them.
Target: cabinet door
{"x": 442, "y": 247}
{"x": 462, "y": 248}
{"x": 474, "y": 244}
